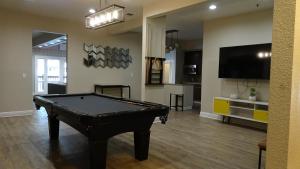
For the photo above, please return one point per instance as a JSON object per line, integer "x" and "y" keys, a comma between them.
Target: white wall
{"x": 196, "y": 44}
{"x": 82, "y": 79}
{"x": 251, "y": 28}
{"x": 16, "y": 57}
{"x": 156, "y": 37}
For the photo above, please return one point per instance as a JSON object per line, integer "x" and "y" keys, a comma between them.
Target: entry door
{"x": 49, "y": 70}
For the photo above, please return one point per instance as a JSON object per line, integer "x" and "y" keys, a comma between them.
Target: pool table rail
{"x": 45, "y": 101}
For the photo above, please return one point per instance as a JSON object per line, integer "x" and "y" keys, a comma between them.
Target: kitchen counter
{"x": 179, "y": 84}
{"x": 161, "y": 94}
{"x": 192, "y": 83}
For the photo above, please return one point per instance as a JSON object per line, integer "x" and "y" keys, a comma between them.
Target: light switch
{"x": 24, "y": 75}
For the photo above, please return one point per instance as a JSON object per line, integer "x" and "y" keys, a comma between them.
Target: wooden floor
{"x": 186, "y": 142}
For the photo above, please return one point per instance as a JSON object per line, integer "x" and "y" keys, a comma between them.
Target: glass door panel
{"x": 65, "y": 72}
{"x": 49, "y": 70}
{"x": 40, "y": 87}
{"x": 53, "y": 70}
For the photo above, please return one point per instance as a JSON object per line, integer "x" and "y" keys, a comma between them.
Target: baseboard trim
{"x": 184, "y": 108}
{"x": 17, "y": 113}
{"x": 188, "y": 108}
{"x": 210, "y": 115}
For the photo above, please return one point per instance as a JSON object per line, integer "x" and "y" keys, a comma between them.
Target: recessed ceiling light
{"x": 40, "y": 46}
{"x": 212, "y": 7}
{"x": 92, "y": 11}
{"x": 260, "y": 54}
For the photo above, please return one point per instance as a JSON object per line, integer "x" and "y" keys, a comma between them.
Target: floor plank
{"x": 186, "y": 142}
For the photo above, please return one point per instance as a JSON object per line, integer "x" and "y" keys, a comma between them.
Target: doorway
{"x": 50, "y": 62}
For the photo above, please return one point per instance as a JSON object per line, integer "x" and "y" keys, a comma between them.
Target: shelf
{"x": 244, "y": 108}
{"x": 148, "y": 57}
{"x": 244, "y": 101}
{"x": 154, "y": 77}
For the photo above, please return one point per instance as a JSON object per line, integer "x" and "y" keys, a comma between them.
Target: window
{"x": 170, "y": 67}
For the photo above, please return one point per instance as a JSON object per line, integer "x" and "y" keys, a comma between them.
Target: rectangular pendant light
{"x": 104, "y": 17}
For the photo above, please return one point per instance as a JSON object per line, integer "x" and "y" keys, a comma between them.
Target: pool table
{"x": 99, "y": 118}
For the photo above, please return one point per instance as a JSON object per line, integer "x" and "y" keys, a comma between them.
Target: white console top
{"x": 244, "y": 101}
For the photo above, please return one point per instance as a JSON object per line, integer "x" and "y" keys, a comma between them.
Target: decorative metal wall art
{"x": 99, "y": 56}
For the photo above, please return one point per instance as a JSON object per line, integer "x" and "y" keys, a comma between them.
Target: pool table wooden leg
{"x": 141, "y": 144}
{"x": 38, "y": 107}
{"x": 53, "y": 124}
{"x": 98, "y": 151}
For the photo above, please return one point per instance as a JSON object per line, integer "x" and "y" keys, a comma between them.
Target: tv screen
{"x": 245, "y": 62}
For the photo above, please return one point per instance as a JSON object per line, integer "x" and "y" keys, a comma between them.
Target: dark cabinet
{"x": 193, "y": 66}
{"x": 197, "y": 93}
{"x": 193, "y": 58}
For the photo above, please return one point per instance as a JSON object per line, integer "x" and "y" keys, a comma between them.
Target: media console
{"x": 242, "y": 109}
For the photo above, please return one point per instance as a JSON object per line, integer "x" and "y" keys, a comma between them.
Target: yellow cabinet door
{"x": 261, "y": 115}
{"x": 221, "y": 107}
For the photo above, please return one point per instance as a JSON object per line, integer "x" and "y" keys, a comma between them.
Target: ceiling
{"x": 40, "y": 37}
{"x": 189, "y": 21}
{"x": 36, "y": 34}
{"x": 71, "y": 9}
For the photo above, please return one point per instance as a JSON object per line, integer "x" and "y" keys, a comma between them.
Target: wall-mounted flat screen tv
{"x": 245, "y": 62}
